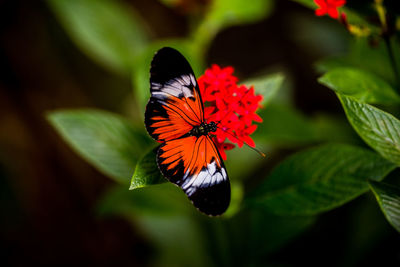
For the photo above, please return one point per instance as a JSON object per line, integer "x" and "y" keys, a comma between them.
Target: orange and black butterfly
{"x": 174, "y": 117}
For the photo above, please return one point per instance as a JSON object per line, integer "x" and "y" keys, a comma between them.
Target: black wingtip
{"x": 167, "y": 64}
{"x": 212, "y": 201}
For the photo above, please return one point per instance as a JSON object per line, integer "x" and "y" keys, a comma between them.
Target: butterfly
{"x": 174, "y": 117}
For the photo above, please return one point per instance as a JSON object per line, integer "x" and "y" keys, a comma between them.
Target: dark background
{"x": 48, "y": 194}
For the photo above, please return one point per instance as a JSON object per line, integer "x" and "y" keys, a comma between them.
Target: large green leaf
{"x": 108, "y": 141}
{"x": 267, "y": 86}
{"x": 388, "y": 197}
{"x": 108, "y": 31}
{"x": 377, "y": 128}
{"x": 146, "y": 171}
{"x": 320, "y": 179}
{"x": 362, "y": 85}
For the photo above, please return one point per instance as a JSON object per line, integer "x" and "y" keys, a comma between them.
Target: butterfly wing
{"x": 175, "y": 105}
{"x": 174, "y": 108}
{"x": 194, "y": 164}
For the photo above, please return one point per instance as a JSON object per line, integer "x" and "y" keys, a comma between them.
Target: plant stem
{"x": 392, "y": 61}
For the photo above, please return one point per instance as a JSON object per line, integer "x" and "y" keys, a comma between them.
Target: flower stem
{"x": 392, "y": 61}
{"x": 381, "y": 10}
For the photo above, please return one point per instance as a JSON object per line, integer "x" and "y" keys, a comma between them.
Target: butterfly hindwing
{"x": 194, "y": 164}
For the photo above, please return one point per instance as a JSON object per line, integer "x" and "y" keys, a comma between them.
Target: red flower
{"x": 329, "y": 7}
{"x": 230, "y": 105}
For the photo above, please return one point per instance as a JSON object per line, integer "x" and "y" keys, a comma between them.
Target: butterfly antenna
{"x": 253, "y": 148}
{"x": 218, "y": 122}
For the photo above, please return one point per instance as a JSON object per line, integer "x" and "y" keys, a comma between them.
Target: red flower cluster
{"x": 230, "y": 105}
{"x": 329, "y": 7}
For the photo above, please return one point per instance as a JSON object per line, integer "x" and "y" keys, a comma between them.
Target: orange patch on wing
{"x": 194, "y": 152}
{"x": 182, "y": 115}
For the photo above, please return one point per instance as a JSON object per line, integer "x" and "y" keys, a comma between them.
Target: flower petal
{"x": 333, "y": 12}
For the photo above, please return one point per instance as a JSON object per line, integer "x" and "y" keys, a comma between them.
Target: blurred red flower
{"x": 230, "y": 104}
{"x": 329, "y": 7}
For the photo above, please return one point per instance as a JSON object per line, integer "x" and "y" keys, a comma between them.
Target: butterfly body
{"x": 203, "y": 129}
{"x": 174, "y": 117}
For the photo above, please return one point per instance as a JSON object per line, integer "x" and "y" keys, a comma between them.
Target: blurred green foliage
{"x": 286, "y": 200}
{"x": 362, "y": 56}
{"x": 108, "y": 31}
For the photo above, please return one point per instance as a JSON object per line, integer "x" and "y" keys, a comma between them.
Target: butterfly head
{"x": 203, "y": 129}
{"x": 211, "y": 127}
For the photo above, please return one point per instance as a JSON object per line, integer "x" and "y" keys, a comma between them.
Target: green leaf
{"x": 365, "y": 57}
{"x": 388, "y": 197}
{"x": 267, "y": 86}
{"x": 146, "y": 171}
{"x": 109, "y": 142}
{"x": 108, "y": 31}
{"x": 320, "y": 179}
{"x": 362, "y": 85}
{"x": 226, "y": 13}
{"x": 377, "y": 128}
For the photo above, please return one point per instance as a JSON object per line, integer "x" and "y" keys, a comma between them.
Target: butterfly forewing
{"x": 175, "y": 104}
{"x": 174, "y": 109}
